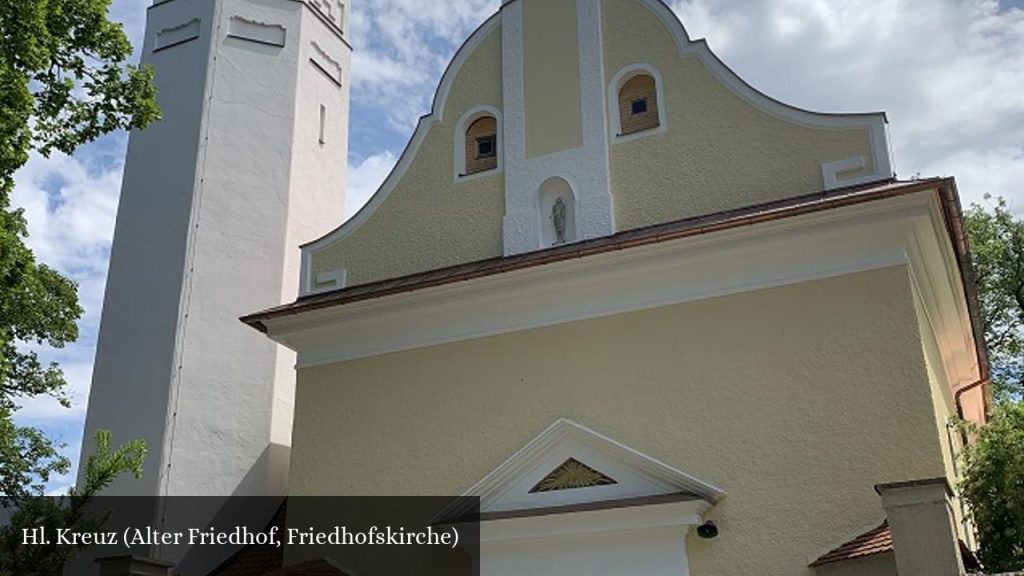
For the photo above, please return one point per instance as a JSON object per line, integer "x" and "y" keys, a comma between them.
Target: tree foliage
{"x": 997, "y": 255}
{"x": 993, "y": 485}
{"x": 993, "y": 475}
{"x": 27, "y": 461}
{"x": 64, "y": 81}
{"x": 70, "y": 511}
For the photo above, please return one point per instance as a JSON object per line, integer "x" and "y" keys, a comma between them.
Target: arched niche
{"x": 556, "y": 204}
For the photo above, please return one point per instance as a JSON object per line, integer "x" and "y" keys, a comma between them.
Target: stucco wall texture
{"x": 428, "y": 221}
{"x": 551, "y": 77}
{"x": 788, "y": 398}
{"x": 719, "y": 151}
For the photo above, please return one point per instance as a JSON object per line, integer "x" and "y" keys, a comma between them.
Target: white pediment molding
{"x": 512, "y": 486}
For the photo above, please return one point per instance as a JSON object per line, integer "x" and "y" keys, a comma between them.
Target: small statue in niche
{"x": 558, "y": 218}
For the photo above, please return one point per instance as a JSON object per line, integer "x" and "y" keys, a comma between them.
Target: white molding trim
{"x": 465, "y": 121}
{"x": 830, "y": 171}
{"x": 584, "y": 167}
{"x": 178, "y": 34}
{"x": 680, "y": 515}
{"x": 564, "y": 439}
{"x": 334, "y": 280}
{"x": 507, "y": 487}
{"x": 322, "y": 282}
{"x": 935, "y": 279}
{"x": 614, "y": 114}
{"x": 824, "y": 244}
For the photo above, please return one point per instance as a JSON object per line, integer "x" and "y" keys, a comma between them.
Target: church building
{"x": 657, "y": 321}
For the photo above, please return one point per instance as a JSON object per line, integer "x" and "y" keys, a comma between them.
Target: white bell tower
{"x": 247, "y": 164}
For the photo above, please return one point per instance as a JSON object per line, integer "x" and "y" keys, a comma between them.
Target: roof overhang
{"x": 917, "y": 223}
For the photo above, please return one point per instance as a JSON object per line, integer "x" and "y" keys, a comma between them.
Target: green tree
{"x": 993, "y": 473}
{"x": 993, "y": 485}
{"x": 64, "y": 81}
{"x": 71, "y": 511}
{"x": 997, "y": 255}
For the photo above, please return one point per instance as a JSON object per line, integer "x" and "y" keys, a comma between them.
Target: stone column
{"x": 923, "y": 527}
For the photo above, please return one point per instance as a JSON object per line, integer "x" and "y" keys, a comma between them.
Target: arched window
{"x": 481, "y": 145}
{"x": 477, "y": 138}
{"x": 638, "y": 104}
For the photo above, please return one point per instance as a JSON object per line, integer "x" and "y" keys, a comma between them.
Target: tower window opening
{"x": 323, "y": 124}
{"x": 481, "y": 152}
{"x": 638, "y": 104}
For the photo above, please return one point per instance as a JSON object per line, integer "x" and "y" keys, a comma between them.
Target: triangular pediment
{"x": 569, "y": 464}
{"x": 571, "y": 475}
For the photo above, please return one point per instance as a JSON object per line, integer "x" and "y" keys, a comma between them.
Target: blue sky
{"x": 949, "y": 73}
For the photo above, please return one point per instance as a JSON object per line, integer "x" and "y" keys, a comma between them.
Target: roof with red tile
{"x": 869, "y": 543}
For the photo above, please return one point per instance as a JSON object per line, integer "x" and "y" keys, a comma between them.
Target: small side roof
{"x": 875, "y": 541}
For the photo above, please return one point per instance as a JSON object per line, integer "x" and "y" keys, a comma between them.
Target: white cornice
{"x": 896, "y": 231}
{"x": 935, "y": 278}
{"x": 681, "y": 515}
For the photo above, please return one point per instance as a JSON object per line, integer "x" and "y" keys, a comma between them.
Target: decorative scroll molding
{"x": 176, "y": 35}
{"x": 323, "y": 62}
{"x": 830, "y": 172}
{"x": 333, "y": 10}
{"x": 326, "y": 281}
{"x": 259, "y": 32}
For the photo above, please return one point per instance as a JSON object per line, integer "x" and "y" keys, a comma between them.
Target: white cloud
{"x": 950, "y": 74}
{"x": 70, "y": 204}
{"x": 403, "y": 47}
{"x": 70, "y": 207}
{"x": 364, "y": 179}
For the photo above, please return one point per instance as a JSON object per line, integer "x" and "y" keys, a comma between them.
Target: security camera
{"x": 707, "y": 530}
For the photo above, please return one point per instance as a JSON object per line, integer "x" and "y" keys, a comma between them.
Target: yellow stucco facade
{"x": 723, "y": 145}
{"x": 551, "y": 77}
{"x": 718, "y": 151}
{"x": 427, "y": 220}
{"x": 767, "y": 394}
{"x": 797, "y": 347}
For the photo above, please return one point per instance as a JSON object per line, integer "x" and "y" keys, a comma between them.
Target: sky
{"x": 950, "y": 75}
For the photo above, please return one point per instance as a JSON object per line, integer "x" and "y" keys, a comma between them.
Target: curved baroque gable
{"x": 661, "y": 130}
